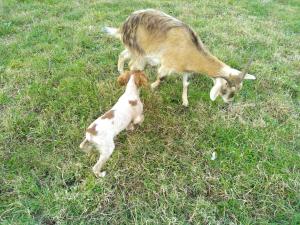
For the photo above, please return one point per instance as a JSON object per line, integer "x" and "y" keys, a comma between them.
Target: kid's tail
{"x": 83, "y": 143}
{"x": 112, "y": 32}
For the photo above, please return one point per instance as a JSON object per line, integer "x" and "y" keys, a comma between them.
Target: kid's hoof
{"x": 130, "y": 127}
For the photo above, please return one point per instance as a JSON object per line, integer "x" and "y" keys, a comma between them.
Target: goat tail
{"x": 83, "y": 143}
{"x": 112, "y": 32}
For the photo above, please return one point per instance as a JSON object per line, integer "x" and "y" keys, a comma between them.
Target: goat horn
{"x": 245, "y": 70}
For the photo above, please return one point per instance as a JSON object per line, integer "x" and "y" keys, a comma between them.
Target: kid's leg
{"x": 105, "y": 153}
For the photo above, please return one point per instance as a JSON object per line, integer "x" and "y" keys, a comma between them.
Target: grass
{"x": 58, "y": 73}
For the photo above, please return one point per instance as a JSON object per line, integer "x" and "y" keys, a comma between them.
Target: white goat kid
{"x": 124, "y": 114}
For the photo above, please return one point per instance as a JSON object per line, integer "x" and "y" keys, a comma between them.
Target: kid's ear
{"x": 144, "y": 79}
{"x": 140, "y": 79}
{"x": 123, "y": 78}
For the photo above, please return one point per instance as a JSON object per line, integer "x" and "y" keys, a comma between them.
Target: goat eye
{"x": 231, "y": 95}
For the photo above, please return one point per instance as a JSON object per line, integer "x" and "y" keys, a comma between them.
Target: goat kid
{"x": 124, "y": 114}
{"x": 153, "y": 37}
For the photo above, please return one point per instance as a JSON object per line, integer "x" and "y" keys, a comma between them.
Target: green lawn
{"x": 58, "y": 73}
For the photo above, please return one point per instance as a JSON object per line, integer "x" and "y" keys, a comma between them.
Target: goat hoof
{"x": 100, "y": 174}
{"x": 103, "y": 174}
{"x": 185, "y": 104}
{"x": 153, "y": 86}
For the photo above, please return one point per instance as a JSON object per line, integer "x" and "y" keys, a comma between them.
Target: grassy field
{"x": 58, "y": 73}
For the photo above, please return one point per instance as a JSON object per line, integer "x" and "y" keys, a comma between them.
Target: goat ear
{"x": 249, "y": 77}
{"x": 214, "y": 92}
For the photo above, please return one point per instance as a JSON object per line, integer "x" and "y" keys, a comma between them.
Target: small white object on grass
{"x": 213, "y": 156}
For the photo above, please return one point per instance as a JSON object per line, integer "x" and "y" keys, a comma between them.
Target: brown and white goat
{"x": 151, "y": 36}
{"x": 124, "y": 114}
